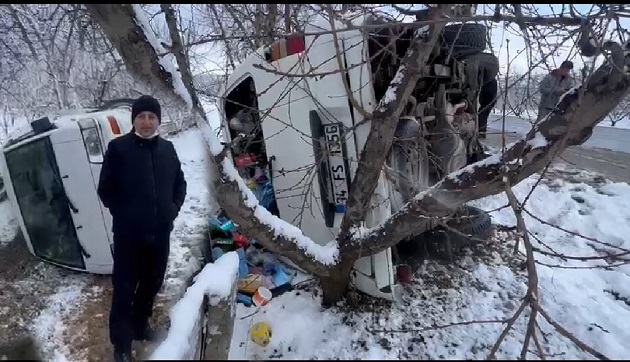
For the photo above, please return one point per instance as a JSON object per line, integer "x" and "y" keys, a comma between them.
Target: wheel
{"x": 469, "y": 226}
{"x": 407, "y": 170}
{"x": 465, "y": 38}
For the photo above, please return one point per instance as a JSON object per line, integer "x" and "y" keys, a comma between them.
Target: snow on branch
{"x": 165, "y": 58}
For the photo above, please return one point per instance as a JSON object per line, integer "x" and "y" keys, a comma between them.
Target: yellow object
{"x": 251, "y": 184}
{"x": 260, "y": 334}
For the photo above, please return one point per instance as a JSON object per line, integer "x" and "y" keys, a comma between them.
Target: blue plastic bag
{"x": 243, "y": 270}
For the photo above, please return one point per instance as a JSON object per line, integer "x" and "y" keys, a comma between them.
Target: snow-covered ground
{"x": 8, "y": 223}
{"x": 57, "y": 318}
{"x": 610, "y": 138}
{"x": 530, "y": 115}
{"x": 590, "y": 298}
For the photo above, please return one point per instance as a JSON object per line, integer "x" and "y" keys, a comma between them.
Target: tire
{"x": 469, "y": 227}
{"x": 467, "y": 38}
{"x": 409, "y": 162}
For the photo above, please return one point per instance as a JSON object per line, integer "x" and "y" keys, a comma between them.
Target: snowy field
{"x": 610, "y": 138}
{"x": 68, "y": 315}
{"x": 530, "y": 115}
{"x": 451, "y": 312}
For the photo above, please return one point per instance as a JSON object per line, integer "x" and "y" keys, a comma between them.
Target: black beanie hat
{"x": 146, "y": 104}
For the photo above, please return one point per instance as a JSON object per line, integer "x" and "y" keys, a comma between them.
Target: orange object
{"x": 113, "y": 124}
{"x": 262, "y": 296}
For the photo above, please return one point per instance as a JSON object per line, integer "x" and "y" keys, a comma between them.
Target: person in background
{"x": 143, "y": 186}
{"x": 487, "y": 101}
{"x": 552, "y": 86}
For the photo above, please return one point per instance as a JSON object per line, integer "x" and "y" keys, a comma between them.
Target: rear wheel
{"x": 470, "y": 226}
{"x": 465, "y": 38}
{"x": 407, "y": 164}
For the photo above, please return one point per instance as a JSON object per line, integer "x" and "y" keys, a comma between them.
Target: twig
{"x": 435, "y": 327}
{"x": 506, "y": 330}
{"x": 571, "y": 337}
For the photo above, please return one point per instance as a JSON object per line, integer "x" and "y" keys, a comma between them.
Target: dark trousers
{"x": 139, "y": 268}
{"x": 487, "y": 100}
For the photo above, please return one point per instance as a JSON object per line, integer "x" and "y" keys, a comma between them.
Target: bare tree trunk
{"x": 23, "y": 31}
{"x": 183, "y": 64}
{"x": 287, "y": 18}
{"x": 258, "y": 21}
{"x": 336, "y": 285}
{"x": 119, "y": 24}
{"x": 272, "y": 18}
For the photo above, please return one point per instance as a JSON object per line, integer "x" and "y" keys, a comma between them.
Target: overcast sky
{"x": 208, "y": 57}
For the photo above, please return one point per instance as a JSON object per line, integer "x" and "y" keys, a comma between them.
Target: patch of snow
{"x": 587, "y": 302}
{"x": 49, "y": 326}
{"x": 390, "y": 94}
{"x": 189, "y": 228}
{"x": 422, "y": 31}
{"x": 166, "y": 59}
{"x": 538, "y": 141}
{"x": 353, "y": 18}
{"x": 8, "y": 223}
{"x": 611, "y": 138}
{"x": 529, "y": 115}
{"x": 215, "y": 280}
{"x": 579, "y": 293}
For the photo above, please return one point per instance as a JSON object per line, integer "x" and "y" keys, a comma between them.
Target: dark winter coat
{"x": 142, "y": 185}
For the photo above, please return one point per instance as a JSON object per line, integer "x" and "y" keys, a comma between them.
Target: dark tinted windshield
{"x": 43, "y": 203}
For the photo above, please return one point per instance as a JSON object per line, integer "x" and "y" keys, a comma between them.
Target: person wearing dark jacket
{"x": 143, "y": 186}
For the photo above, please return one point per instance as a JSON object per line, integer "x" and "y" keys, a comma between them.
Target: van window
{"x": 91, "y": 140}
{"x": 43, "y": 203}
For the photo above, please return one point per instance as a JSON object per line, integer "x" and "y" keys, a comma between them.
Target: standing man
{"x": 552, "y": 86}
{"x": 143, "y": 186}
{"x": 487, "y": 101}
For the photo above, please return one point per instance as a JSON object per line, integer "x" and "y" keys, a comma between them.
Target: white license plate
{"x": 337, "y": 174}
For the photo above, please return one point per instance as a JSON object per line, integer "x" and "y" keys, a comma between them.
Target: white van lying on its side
{"x": 51, "y": 176}
{"x": 304, "y": 138}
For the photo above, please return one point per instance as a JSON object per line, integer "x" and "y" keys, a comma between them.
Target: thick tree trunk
{"x": 336, "y": 285}
{"x": 118, "y": 22}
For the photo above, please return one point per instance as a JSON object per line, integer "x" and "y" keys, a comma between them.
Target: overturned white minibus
{"x": 51, "y": 176}
{"x": 286, "y": 108}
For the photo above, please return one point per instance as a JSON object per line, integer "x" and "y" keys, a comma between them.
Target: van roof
{"x": 66, "y": 119}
